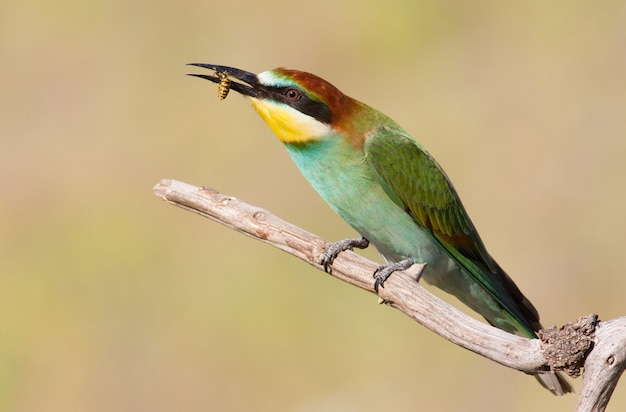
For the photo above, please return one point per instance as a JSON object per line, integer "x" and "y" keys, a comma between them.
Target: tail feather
{"x": 555, "y": 382}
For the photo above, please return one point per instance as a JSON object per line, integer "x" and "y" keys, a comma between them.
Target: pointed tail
{"x": 555, "y": 382}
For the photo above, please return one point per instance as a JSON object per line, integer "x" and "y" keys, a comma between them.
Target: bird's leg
{"x": 337, "y": 247}
{"x": 383, "y": 272}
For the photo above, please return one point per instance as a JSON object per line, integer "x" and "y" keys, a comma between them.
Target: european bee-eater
{"x": 388, "y": 188}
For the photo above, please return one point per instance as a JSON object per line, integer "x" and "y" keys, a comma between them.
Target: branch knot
{"x": 566, "y": 348}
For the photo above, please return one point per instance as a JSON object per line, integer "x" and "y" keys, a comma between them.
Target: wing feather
{"x": 416, "y": 182}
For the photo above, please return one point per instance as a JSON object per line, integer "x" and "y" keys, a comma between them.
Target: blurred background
{"x": 112, "y": 300}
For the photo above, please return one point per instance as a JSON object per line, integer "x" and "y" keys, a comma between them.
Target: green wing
{"x": 415, "y": 182}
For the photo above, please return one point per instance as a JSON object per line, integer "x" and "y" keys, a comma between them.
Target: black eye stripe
{"x": 303, "y": 104}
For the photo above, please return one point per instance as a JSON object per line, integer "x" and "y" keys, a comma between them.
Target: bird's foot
{"x": 383, "y": 272}
{"x": 337, "y": 247}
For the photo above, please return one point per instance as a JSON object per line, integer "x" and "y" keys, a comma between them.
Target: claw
{"x": 337, "y": 247}
{"x": 382, "y": 273}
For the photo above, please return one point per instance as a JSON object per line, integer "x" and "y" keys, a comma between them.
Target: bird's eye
{"x": 293, "y": 95}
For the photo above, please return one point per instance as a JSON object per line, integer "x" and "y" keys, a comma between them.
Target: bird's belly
{"x": 366, "y": 207}
{"x": 396, "y": 236}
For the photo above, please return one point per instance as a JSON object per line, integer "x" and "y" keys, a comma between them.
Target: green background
{"x": 111, "y": 300}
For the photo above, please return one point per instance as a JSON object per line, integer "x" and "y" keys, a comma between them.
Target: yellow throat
{"x": 290, "y": 125}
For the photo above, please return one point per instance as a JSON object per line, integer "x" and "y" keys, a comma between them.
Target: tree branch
{"x": 603, "y": 364}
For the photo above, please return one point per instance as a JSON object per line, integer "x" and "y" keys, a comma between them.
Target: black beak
{"x": 250, "y": 86}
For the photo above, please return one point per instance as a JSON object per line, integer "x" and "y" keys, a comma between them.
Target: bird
{"x": 385, "y": 185}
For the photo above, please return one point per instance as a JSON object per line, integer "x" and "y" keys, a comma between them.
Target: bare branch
{"x": 604, "y": 364}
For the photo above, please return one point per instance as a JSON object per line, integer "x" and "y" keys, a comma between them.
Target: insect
{"x": 223, "y": 87}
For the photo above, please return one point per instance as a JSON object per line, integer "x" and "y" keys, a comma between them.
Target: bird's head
{"x": 299, "y": 107}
